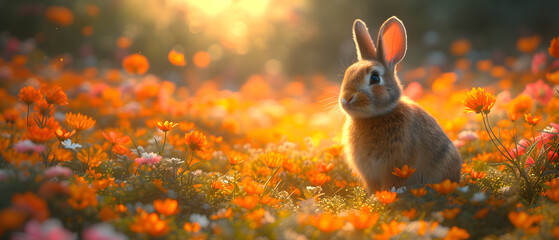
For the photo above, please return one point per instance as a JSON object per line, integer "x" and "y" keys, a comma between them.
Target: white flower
{"x": 103, "y": 231}
{"x": 399, "y": 190}
{"x": 463, "y": 189}
{"x": 478, "y": 197}
{"x": 200, "y": 219}
{"x": 69, "y": 145}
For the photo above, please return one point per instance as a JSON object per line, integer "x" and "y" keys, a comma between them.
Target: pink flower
{"x": 468, "y": 135}
{"x": 28, "y": 146}
{"x": 538, "y": 62}
{"x": 458, "y": 143}
{"x": 58, "y": 171}
{"x": 148, "y": 158}
{"x": 102, "y": 231}
{"x": 413, "y": 91}
{"x": 48, "y": 230}
{"x": 540, "y": 91}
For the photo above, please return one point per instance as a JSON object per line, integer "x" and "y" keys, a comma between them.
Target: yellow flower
{"x": 166, "y": 126}
{"x": 273, "y": 159}
{"x": 79, "y": 121}
{"x": 478, "y": 101}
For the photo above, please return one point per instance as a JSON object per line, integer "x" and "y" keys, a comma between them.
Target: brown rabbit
{"x": 384, "y": 129}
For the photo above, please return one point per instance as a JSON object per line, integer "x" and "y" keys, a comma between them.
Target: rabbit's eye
{"x": 375, "y": 78}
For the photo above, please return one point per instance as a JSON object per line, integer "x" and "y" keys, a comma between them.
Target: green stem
{"x": 27, "y": 116}
{"x": 163, "y": 147}
{"x": 270, "y": 178}
{"x": 12, "y": 136}
{"x": 76, "y": 137}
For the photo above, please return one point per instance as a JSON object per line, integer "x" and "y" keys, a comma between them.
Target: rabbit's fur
{"x": 384, "y": 129}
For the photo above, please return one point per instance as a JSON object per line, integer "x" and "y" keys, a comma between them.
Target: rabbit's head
{"x": 370, "y": 86}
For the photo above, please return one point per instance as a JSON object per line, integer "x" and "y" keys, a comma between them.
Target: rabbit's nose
{"x": 347, "y": 99}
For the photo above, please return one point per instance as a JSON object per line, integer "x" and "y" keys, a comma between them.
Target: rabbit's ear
{"x": 363, "y": 41}
{"x": 392, "y": 41}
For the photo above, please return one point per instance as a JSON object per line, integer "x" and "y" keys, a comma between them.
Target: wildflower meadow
{"x": 111, "y": 131}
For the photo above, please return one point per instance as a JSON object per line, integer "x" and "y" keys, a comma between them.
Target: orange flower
{"x": 323, "y": 167}
{"x": 60, "y": 15}
{"x": 363, "y": 219}
{"x": 424, "y": 227}
{"x": 404, "y": 173}
{"x": 477, "y": 175}
{"x": 62, "y": 135}
{"x": 528, "y": 223}
{"x": 222, "y": 213}
{"x": 149, "y": 223}
{"x": 43, "y": 108}
{"x": 256, "y": 217}
{"x": 327, "y": 222}
{"x": 528, "y": 44}
{"x": 196, "y": 141}
{"x": 176, "y": 58}
{"x": 107, "y": 214}
{"x": 478, "y": 101}
{"x": 445, "y": 187}
{"x": 481, "y": 213}
{"x": 117, "y": 141}
{"x": 418, "y": 192}
{"x": 456, "y": 233}
{"x": 167, "y": 207}
{"x": 290, "y": 166}
{"x": 39, "y": 135}
{"x": 201, "y": 59}
{"x": 61, "y": 155}
{"x": 55, "y": 95}
{"x": 79, "y": 121}
{"x": 135, "y": 63}
{"x": 552, "y": 194}
{"x": 235, "y": 158}
{"x": 159, "y": 184}
{"x": 29, "y": 95}
{"x": 11, "y": 219}
{"x": 386, "y": 197}
{"x": 392, "y": 228}
{"x": 82, "y": 196}
{"x": 273, "y": 159}
{"x": 554, "y": 47}
{"x": 32, "y": 204}
{"x": 410, "y": 213}
{"x": 166, "y": 126}
{"x": 318, "y": 178}
{"x": 248, "y": 202}
{"x": 191, "y": 227}
{"x": 253, "y": 188}
{"x": 335, "y": 150}
{"x": 10, "y": 115}
{"x": 520, "y": 105}
{"x": 532, "y": 120}
{"x": 450, "y": 213}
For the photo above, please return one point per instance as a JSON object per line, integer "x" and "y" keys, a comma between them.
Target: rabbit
{"x": 384, "y": 129}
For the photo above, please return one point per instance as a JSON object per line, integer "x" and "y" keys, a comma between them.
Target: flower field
{"x": 121, "y": 152}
